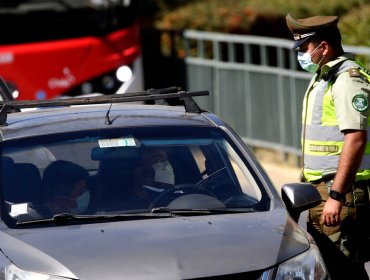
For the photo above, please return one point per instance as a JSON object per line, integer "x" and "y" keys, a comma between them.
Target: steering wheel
{"x": 220, "y": 184}
{"x": 213, "y": 180}
{"x": 177, "y": 191}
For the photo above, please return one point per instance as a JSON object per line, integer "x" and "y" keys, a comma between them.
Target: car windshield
{"x": 126, "y": 171}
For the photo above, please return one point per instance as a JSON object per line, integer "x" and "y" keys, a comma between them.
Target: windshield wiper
{"x": 205, "y": 211}
{"x": 67, "y": 218}
{"x": 160, "y": 212}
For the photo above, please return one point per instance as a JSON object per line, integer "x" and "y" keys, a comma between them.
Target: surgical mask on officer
{"x": 305, "y": 60}
{"x": 82, "y": 203}
{"x": 163, "y": 172}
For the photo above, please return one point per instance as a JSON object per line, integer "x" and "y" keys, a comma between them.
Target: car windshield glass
{"x": 132, "y": 170}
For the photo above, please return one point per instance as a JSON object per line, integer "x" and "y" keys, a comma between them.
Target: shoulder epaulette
{"x": 363, "y": 71}
{"x": 354, "y": 72}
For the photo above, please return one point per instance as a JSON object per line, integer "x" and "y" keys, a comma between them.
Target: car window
{"x": 126, "y": 171}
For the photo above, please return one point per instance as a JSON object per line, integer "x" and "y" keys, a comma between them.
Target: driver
{"x": 155, "y": 174}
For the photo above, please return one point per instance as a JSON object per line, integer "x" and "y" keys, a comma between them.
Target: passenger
{"x": 65, "y": 185}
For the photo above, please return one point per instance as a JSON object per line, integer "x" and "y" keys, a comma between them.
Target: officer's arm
{"x": 349, "y": 162}
{"x": 350, "y": 159}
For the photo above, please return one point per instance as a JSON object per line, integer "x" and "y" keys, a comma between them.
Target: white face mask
{"x": 82, "y": 203}
{"x": 305, "y": 60}
{"x": 163, "y": 172}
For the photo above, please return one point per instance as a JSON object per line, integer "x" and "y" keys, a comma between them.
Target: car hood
{"x": 165, "y": 248}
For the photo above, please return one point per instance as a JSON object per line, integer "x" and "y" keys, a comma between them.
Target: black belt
{"x": 358, "y": 184}
{"x": 316, "y": 182}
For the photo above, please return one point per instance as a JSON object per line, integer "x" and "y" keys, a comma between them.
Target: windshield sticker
{"x": 117, "y": 142}
{"x": 18, "y": 209}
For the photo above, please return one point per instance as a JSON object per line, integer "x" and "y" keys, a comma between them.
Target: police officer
{"x": 335, "y": 125}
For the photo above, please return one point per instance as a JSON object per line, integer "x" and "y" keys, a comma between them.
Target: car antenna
{"x": 107, "y": 119}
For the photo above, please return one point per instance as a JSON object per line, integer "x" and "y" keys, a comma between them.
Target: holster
{"x": 361, "y": 203}
{"x": 362, "y": 221}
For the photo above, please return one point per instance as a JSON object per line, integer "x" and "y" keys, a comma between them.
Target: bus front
{"x": 69, "y": 48}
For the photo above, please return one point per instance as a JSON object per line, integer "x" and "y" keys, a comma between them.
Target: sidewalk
{"x": 281, "y": 171}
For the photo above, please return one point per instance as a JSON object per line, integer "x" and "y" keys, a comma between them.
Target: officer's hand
{"x": 331, "y": 212}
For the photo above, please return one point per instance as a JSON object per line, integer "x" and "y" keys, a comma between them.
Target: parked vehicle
{"x": 97, "y": 188}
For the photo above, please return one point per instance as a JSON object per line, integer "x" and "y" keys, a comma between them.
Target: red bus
{"x": 50, "y": 48}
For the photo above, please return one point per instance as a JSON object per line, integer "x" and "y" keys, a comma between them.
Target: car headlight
{"x": 11, "y": 272}
{"x": 306, "y": 266}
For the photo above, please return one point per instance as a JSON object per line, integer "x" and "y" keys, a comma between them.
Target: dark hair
{"x": 60, "y": 176}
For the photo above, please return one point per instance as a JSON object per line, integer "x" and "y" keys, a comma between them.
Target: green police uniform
{"x": 332, "y": 105}
{"x": 335, "y": 101}
{"x": 329, "y": 107}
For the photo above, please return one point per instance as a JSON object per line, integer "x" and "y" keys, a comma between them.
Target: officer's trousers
{"x": 314, "y": 217}
{"x": 343, "y": 247}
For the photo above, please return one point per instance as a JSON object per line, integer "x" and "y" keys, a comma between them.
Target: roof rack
{"x": 5, "y": 91}
{"x": 158, "y": 95}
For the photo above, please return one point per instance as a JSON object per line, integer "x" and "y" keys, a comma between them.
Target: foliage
{"x": 232, "y": 16}
{"x": 265, "y": 18}
{"x": 355, "y": 27}
{"x": 307, "y": 8}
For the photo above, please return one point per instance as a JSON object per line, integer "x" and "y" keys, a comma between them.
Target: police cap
{"x": 305, "y": 28}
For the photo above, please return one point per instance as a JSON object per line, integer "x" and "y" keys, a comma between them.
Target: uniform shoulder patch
{"x": 360, "y": 102}
{"x": 354, "y": 72}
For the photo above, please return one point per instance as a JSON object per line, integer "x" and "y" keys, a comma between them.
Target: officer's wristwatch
{"x": 337, "y": 196}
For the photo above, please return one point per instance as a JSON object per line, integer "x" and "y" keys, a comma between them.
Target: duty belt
{"x": 361, "y": 192}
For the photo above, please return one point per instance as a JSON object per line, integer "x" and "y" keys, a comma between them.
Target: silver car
{"x": 101, "y": 188}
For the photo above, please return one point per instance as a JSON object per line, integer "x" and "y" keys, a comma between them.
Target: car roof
{"x": 69, "y": 115}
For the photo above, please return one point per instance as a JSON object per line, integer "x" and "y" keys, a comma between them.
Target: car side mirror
{"x": 299, "y": 197}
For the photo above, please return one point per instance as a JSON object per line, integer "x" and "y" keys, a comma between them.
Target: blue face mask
{"x": 305, "y": 60}
{"x": 82, "y": 203}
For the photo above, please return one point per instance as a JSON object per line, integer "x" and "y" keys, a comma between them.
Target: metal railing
{"x": 255, "y": 82}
